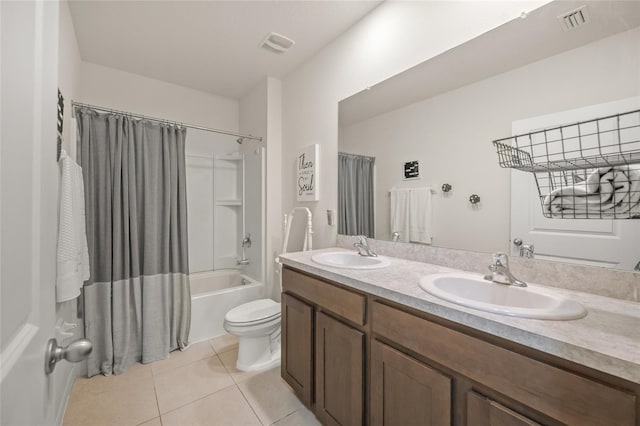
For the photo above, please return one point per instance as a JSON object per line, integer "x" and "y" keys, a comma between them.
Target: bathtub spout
{"x": 242, "y": 261}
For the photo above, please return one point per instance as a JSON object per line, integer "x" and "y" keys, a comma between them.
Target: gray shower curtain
{"x": 355, "y": 195}
{"x": 137, "y": 302}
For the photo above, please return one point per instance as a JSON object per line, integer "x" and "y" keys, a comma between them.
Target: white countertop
{"x": 607, "y": 339}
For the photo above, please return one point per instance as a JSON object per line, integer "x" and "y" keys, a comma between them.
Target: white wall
{"x": 392, "y": 38}
{"x": 260, "y": 114}
{"x": 108, "y": 87}
{"x": 451, "y": 136}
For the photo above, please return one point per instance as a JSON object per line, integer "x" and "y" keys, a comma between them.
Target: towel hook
{"x": 474, "y": 199}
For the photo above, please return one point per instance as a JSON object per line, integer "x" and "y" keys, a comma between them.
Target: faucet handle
{"x": 501, "y": 259}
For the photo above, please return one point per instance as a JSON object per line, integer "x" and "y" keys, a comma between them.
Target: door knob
{"x": 74, "y": 352}
{"x": 517, "y": 241}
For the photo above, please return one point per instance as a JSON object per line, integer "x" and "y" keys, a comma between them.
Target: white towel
{"x": 72, "y": 254}
{"x": 608, "y": 192}
{"x": 420, "y": 216}
{"x": 400, "y": 213}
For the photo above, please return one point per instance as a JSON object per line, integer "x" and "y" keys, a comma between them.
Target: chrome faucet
{"x": 363, "y": 246}
{"x": 500, "y": 272}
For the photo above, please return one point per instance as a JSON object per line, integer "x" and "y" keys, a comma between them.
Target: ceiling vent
{"x": 574, "y": 19}
{"x": 277, "y": 43}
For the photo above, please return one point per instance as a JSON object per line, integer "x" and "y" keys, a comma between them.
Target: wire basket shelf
{"x": 586, "y": 170}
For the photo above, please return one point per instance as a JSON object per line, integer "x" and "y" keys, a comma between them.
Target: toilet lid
{"x": 253, "y": 311}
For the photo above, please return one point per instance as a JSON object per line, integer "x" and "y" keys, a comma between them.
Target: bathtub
{"x": 213, "y": 294}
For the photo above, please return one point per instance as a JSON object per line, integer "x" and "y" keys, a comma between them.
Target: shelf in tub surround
{"x": 607, "y": 339}
{"x": 228, "y": 202}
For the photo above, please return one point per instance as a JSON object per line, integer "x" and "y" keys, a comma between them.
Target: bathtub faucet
{"x": 242, "y": 262}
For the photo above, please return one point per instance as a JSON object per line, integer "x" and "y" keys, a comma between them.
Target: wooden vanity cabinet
{"x": 323, "y": 347}
{"x": 419, "y": 369}
{"x": 296, "y": 367}
{"x": 522, "y": 389}
{"x": 405, "y": 391}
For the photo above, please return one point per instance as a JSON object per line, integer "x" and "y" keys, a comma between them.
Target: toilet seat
{"x": 253, "y": 313}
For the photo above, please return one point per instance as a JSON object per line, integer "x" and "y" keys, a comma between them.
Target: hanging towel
{"x": 400, "y": 213}
{"x": 420, "y": 216}
{"x": 72, "y": 255}
{"x": 608, "y": 192}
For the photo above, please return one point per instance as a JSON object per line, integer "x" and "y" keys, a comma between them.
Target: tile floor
{"x": 199, "y": 386}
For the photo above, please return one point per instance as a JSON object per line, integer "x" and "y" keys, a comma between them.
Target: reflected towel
{"x": 608, "y": 192}
{"x": 420, "y": 216}
{"x": 72, "y": 255}
{"x": 400, "y": 213}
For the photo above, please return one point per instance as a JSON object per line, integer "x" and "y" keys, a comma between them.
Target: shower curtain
{"x": 355, "y": 194}
{"x": 137, "y": 302}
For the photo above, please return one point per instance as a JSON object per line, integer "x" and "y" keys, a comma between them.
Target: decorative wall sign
{"x": 307, "y": 174}
{"x": 411, "y": 170}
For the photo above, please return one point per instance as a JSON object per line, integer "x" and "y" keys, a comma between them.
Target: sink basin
{"x": 475, "y": 292}
{"x": 350, "y": 260}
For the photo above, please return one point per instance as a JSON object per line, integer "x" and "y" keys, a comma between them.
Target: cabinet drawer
{"x": 557, "y": 393}
{"x": 344, "y": 303}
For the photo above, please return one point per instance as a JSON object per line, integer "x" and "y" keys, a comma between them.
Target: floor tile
{"x": 224, "y": 343}
{"x": 136, "y": 374}
{"x": 194, "y": 352}
{"x": 114, "y": 404}
{"x": 229, "y": 360}
{"x": 223, "y": 408}
{"x": 183, "y": 385}
{"x": 301, "y": 417}
{"x": 153, "y": 422}
{"x": 269, "y": 397}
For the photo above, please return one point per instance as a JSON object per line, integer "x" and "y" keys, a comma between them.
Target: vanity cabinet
{"x": 357, "y": 358}
{"x": 481, "y": 411}
{"x": 297, "y": 347}
{"x": 524, "y": 390}
{"x": 405, "y": 391}
{"x": 323, "y": 347}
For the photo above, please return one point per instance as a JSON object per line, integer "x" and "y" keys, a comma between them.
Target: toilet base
{"x": 258, "y": 353}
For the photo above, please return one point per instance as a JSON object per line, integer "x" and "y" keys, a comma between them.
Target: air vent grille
{"x": 276, "y": 43}
{"x": 574, "y": 19}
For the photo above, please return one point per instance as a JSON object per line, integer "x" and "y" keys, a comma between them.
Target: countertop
{"x": 607, "y": 339}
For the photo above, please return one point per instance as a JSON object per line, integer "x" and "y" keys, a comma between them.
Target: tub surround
{"x": 606, "y": 340}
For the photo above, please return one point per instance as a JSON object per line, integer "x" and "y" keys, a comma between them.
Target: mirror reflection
{"x": 416, "y": 161}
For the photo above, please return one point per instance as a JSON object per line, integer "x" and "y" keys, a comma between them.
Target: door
{"x": 28, "y": 203}
{"x": 606, "y": 243}
{"x": 482, "y": 411}
{"x": 407, "y": 392}
{"x": 339, "y": 372}
{"x": 297, "y": 347}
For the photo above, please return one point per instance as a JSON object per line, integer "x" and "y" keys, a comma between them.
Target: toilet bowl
{"x": 257, "y": 325}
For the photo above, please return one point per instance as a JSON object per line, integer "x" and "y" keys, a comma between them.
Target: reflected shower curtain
{"x": 355, "y": 194}
{"x": 137, "y": 301}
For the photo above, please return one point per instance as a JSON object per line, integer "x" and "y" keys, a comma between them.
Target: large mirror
{"x": 429, "y": 130}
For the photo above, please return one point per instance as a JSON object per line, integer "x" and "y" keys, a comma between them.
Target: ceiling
{"x": 211, "y": 46}
{"x": 512, "y": 45}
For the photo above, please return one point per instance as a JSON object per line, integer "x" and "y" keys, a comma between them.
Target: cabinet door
{"x": 339, "y": 372}
{"x": 482, "y": 411}
{"x": 297, "y": 347}
{"x": 405, "y": 391}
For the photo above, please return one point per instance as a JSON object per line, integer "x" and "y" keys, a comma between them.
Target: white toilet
{"x": 257, "y": 325}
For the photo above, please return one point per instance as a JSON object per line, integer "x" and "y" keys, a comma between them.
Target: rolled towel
{"x": 608, "y": 192}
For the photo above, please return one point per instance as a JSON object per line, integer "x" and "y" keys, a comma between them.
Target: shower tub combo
{"x": 213, "y": 294}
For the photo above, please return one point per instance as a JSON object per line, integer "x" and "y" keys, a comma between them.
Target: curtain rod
{"x": 241, "y": 136}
